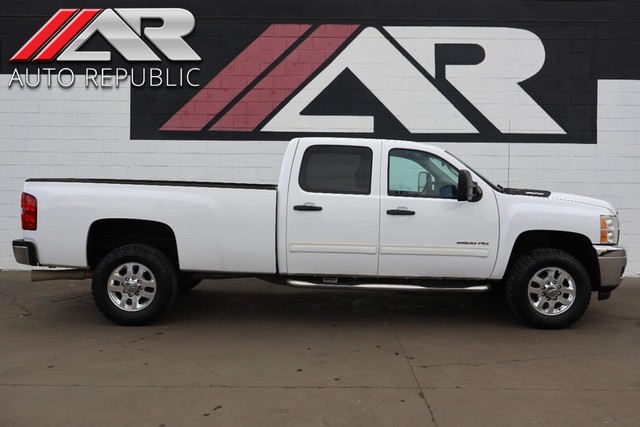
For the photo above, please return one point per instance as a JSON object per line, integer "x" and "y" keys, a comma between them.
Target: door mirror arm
{"x": 468, "y": 189}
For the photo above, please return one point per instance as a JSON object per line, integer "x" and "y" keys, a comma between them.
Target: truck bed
{"x": 219, "y": 227}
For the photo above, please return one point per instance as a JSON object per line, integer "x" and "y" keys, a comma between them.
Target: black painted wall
{"x": 584, "y": 41}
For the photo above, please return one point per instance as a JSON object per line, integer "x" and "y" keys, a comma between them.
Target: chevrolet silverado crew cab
{"x": 347, "y": 214}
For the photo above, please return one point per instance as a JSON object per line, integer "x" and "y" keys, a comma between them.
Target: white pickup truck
{"x": 347, "y": 214}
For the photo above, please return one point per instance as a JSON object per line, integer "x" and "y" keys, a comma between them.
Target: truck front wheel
{"x": 134, "y": 284}
{"x": 548, "y": 288}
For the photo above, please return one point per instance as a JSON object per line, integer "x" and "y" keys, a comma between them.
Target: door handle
{"x": 400, "y": 212}
{"x": 307, "y": 208}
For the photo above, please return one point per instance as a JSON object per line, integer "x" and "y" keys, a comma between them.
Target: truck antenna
{"x": 509, "y": 156}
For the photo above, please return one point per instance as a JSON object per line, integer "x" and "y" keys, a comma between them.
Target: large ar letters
{"x": 511, "y": 56}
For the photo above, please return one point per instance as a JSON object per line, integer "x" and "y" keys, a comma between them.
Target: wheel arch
{"x": 575, "y": 244}
{"x": 107, "y": 234}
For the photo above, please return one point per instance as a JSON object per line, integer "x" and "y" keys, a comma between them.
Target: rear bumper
{"x": 25, "y": 252}
{"x": 612, "y": 261}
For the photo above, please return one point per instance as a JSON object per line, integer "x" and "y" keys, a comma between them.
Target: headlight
{"x": 609, "y": 229}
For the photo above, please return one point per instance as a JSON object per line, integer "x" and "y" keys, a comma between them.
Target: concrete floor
{"x": 246, "y": 353}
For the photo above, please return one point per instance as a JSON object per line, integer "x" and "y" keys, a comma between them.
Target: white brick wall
{"x": 84, "y": 132}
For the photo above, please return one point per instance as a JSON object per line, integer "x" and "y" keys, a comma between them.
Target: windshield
{"x": 491, "y": 184}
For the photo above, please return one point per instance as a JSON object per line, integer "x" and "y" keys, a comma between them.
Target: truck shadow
{"x": 253, "y": 300}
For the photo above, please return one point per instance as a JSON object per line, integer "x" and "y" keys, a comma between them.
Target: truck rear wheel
{"x": 548, "y": 289}
{"x": 134, "y": 284}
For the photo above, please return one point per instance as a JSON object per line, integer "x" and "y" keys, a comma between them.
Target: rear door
{"x": 333, "y": 208}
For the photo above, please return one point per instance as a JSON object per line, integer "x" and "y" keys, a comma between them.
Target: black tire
{"x": 156, "y": 266}
{"x": 187, "y": 282}
{"x": 523, "y": 299}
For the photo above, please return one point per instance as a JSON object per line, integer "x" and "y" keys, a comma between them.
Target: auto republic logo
{"x": 61, "y": 38}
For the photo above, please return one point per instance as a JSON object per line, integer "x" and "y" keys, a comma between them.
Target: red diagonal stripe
{"x": 67, "y": 34}
{"x": 286, "y": 77}
{"x": 235, "y": 77}
{"x": 43, "y": 35}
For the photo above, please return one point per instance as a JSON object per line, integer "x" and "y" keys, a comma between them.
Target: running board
{"x": 388, "y": 287}
{"x": 46, "y": 275}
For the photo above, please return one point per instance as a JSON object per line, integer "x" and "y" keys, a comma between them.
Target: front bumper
{"x": 25, "y": 252}
{"x": 612, "y": 261}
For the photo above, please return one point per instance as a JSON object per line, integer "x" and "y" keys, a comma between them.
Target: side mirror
{"x": 468, "y": 190}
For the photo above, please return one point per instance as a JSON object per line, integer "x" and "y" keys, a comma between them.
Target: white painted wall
{"x": 84, "y": 133}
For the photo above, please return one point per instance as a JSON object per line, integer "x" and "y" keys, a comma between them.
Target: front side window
{"x": 415, "y": 173}
{"x": 336, "y": 169}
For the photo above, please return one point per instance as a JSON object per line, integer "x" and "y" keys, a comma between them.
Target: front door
{"x": 333, "y": 208}
{"x": 424, "y": 230}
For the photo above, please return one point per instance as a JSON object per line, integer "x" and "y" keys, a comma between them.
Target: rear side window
{"x": 336, "y": 169}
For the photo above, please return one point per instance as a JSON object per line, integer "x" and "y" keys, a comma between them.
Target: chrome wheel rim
{"x": 131, "y": 286}
{"x": 552, "y": 291}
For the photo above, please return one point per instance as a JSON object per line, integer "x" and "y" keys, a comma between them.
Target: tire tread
{"x": 518, "y": 278}
{"x": 163, "y": 271}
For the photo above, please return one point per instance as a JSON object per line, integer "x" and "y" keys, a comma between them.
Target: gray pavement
{"x": 247, "y": 353}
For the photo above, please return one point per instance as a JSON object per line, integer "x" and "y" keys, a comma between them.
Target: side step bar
{"x": 387, "y": 287}
{"x": 45, "y": 275}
